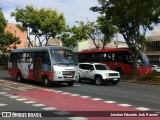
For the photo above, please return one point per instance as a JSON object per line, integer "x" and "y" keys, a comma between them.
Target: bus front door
{"x": 37, "y": 69}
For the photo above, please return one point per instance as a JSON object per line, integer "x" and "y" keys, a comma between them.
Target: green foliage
{"x": 102, "y": 31}
{"x": 8, "y": 41}
{"x": 107, "y": 29}
{"x": 3, "y": 22}
{"x": 72, "y": 36}
{"x": 132, "y": 18}
{"x": 42, "y": 23}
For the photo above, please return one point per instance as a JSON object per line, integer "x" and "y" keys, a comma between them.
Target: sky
{"x": 74, "y": 10}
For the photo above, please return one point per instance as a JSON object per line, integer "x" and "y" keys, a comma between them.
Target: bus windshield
{"x": 63, "y": 57}
{"x": 144, "y": 59}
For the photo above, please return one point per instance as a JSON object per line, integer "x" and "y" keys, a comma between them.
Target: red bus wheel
{"x": 18, "y": 77}
{"x": 46, "y": 82}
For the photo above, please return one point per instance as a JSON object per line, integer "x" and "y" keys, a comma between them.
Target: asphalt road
{"x": 136, "y": 96}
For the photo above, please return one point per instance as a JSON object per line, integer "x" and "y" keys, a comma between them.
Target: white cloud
{"x": 74, "y": 10}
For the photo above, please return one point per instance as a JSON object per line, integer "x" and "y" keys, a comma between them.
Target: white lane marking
{"x": 38, "y": 105}
{"x": 84, "y": 96}
{"x": 3, "y": 93}
{"x": 14, "y": 96}
{"x": 51, "y": 90}
{"x": 7, "y": 84}
{"x": 96, "y": 99}
{"x": 78, "y": 118}
{"x": 1, "y": 104}
{"x": 66, "y": 93}
{"x": 124, "y": 105}
{"x": 8, "y": 95}
{"x": 75, "y": 95}
{"x": 109, "y": 101}
{"x": 58, "y": 91}
{"x": 62, "y": 113}
{"x": 49, "y": 108}
{"x": 21, "y": 99}
{"x": 142, "y": 108}
{"x": 29, "y": 102}
{"x": 6, "y": 89}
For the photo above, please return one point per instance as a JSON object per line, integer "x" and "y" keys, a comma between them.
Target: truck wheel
{"x": 46, "y": 82}
{"x": 114, "y": 83}
{"x": 79, "y": 80}
{"x": 98, "y": 81}
{"x": 70, "y": 83}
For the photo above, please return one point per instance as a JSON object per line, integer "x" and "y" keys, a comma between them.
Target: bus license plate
{"x": 69, "y": 76}
{"x": 115, "y": 79}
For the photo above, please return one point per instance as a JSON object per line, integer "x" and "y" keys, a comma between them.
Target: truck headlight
{"x": 107, "y": 75}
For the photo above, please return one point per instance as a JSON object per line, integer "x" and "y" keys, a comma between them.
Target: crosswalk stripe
{"x": 1, "y": 104}
{"x": 49, "y": 108}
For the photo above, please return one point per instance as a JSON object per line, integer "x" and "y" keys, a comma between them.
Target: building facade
{"x": 18, "y": 33}
{"x": 153, "y": 49}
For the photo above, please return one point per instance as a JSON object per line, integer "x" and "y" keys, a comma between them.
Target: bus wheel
{"x": 18, "y": 77}
{"x": 70, "y": 83}
{"x": 46, "y": 82}
{"x": 98, "y": 81}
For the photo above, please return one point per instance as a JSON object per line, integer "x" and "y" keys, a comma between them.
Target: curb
{"x": 149, "y": 83}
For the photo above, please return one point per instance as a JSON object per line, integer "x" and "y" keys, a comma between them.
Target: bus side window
{"x": 29, "y": 57}
{"x": 129, "y": 58}
{"x": 120, "y": 57}
{"x": 109, "y": 57}
{"x": 102, "y": 57}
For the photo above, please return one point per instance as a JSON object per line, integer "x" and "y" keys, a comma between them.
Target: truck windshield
{"x": 101, "y": 67}
{"x": 63, "y": 57}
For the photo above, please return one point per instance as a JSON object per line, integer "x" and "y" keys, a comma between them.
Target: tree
{"x": 42, "y": 23}
{"x": 132, "y": 18}
{"x": 8, "y": 41}
{"x": 107, "y": 29}
{"x": 3, "y": 22}
{"x": 72, "y": 36}
{"x": 101, "y": 30}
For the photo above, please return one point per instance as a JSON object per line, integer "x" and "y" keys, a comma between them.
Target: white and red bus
{"x": 119, "y": 59}
{"x": 47, "y": 64}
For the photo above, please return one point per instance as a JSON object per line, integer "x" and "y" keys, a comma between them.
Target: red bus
{"x": 119, "y": 59}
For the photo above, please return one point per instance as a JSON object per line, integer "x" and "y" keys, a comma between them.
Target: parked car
{"x": 98, "y": 73}
{"x": 155, "y": 68}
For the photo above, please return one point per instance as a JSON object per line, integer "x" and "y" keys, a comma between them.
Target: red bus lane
{"x": 85, "y": 107}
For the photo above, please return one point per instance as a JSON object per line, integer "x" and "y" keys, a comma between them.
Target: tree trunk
{"x": 135, "y": 59}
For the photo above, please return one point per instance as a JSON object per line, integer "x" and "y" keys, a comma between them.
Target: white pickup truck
{"x": 98, "y": 73}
